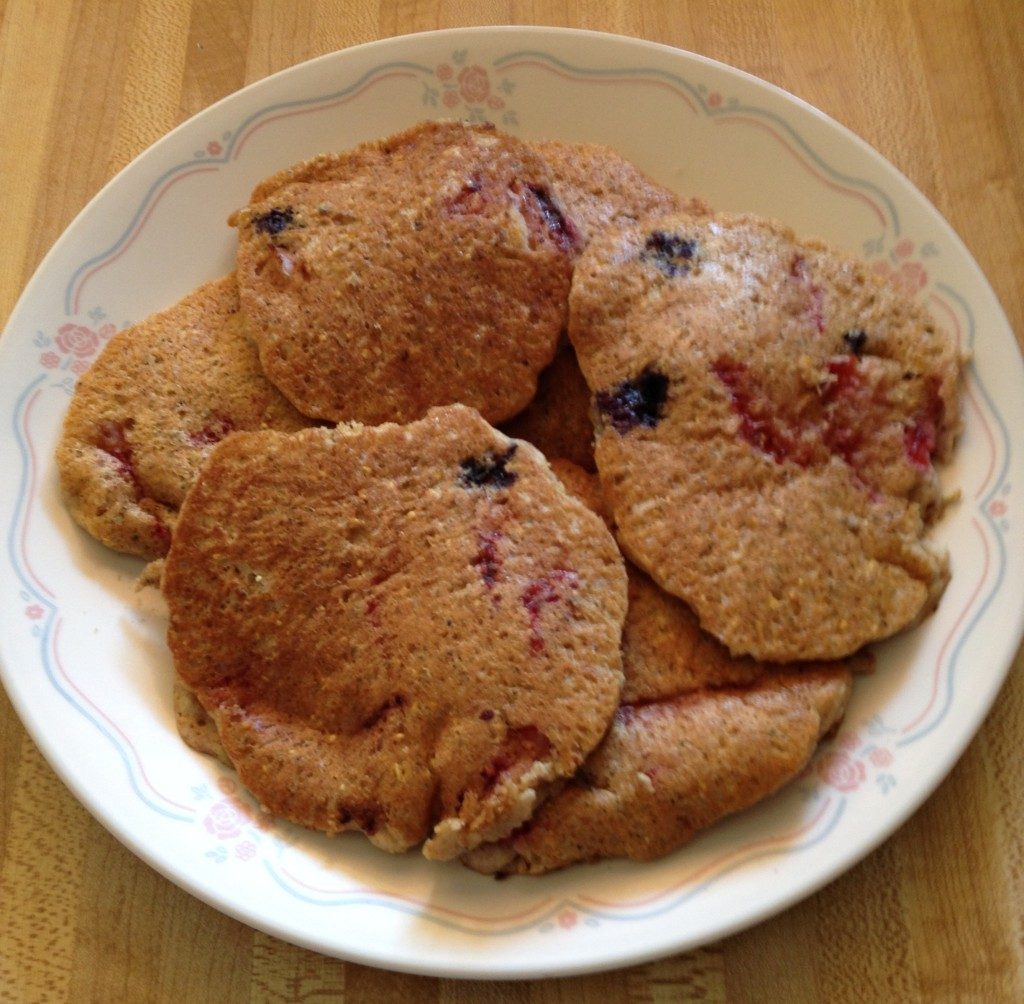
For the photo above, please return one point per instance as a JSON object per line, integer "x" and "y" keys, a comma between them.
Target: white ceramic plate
{"x": 83, "y": 656}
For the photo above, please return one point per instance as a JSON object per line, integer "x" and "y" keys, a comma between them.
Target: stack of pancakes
{"x": 514, "y": 506}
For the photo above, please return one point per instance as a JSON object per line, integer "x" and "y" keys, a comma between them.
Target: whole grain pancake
{"x": 196, "y": 728}
{"x": 770, "y": 414}
{"x": 428, "y": 268}
{"x": 147, "y": 412}
{"x": 665, "y": 651}
{"x": 698, "y": 735}
{"x": 673, "y": 767}
{"x": 409, "y": 630}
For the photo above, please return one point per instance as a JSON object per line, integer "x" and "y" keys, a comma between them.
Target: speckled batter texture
{"x": 673, "y": 767}
{"x": 770, "y": 414}
{"x": 150, "y": 408}
{"x": 428, "y": 268}
{"x": 196, "y": 728}
{"x": 413, "y": 631}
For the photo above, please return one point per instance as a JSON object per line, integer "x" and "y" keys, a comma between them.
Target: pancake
{"x": 424, "y": 269}
{"x": 601, "y": 190}
{"x": 557, "y": 420}
{"x": 408, "y": 630}
{"x": 150, "y": 408}
{"x": 770, "y": 415}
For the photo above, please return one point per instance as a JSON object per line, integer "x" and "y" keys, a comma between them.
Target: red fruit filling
{"x": 477, "y": 195}
{"x": 759, "y": 425}
{"x": 162, "y": 533}
{"x": 921, "y": 437}
{"x": 217, "y": 429}
{"x": 849, "y": 409}
{"x": 545, "y": 220}
{"x": 112, "y": 439}
{"x": 543, "y": 592}
{"x": 488, "y": 560}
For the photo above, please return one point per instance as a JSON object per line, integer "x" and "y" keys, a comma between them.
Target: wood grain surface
{"x": 937, "y": 913}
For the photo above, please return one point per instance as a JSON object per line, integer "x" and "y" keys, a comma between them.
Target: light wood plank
{"x": 32, "y": 48}
{"x": 78, "y": 161}
{"x": 153, "y": 78}
{"x": 215, "y": 53}
{"x": 41, "y": 877}
{"x": 283, "y": 973}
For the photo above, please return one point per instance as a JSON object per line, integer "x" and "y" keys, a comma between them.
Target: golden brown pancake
{"x": 150, "y": 408}
{"x": 425, "y": 269}
{"x": 409, "y": 630}
{"x": 558, "y": 421}
{"x": 601, "y": 190}
{"x": 770, "y": 415}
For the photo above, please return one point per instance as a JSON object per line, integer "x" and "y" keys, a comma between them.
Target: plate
{"x": 83, "y": 654}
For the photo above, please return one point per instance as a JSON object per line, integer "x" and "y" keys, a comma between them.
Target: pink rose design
{"x": 444, "y": 72}
{"x": 224, "y": 820}
{"x": 213, "y": 148}
{"x": 245, "y": 851}
{"x": 77, "y": 340}
{"x": 998, "y": 508}
{"x": 79, "y": 366}
{"x": 495, "y": 102}
{"x": 474, "y": 85}
{"x": 841, "y": 771}
{"x": 249, "y": 813}
{"x": 567, "y": 919}
{"x": 904, "y": 248}
{"x": 106, "y": 331}
{"x": 910, "y": 277}
{"x": 34, "y": 612}
{"x": 50, "y": 360}
{"x": 880, "y": 757}
{"x": 714, "y": 99}
{"x": 451, "y": 99}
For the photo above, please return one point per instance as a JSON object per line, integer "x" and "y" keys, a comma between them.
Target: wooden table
{"x": 937, "y": 913}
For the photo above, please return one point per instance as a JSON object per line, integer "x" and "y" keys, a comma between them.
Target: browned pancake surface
{"x": 699, "y": 735}
{"x": 150, "y": 408}
{"x": 557, "y": 420}
{"x": 770, "y": 416}
{"x": 428, "y": 268}
{"x": 602, "y": 190}
{"x": 413, "y": 631}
